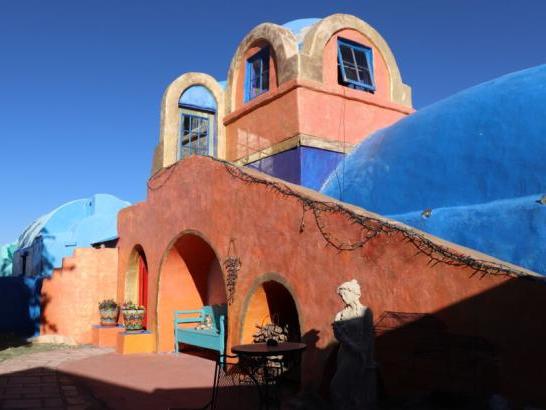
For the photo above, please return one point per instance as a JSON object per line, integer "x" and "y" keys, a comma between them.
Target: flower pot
{"x": 109, "y": 316}
{"x": 133, "y": 319}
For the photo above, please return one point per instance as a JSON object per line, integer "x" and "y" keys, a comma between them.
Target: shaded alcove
{"x": 136, "y": 279}
{"x": 190, "y": 278}
{"x": 271, "y": 302}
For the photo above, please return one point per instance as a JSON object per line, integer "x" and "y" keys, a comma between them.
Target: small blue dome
{"x": 300, "y": 27}
{"x": 482, "y": 145}
{"x": 75, "y": 224}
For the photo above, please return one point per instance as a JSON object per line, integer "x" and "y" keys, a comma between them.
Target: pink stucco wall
{"x": 266, "y": 227}
{"x": 326, "y": 109}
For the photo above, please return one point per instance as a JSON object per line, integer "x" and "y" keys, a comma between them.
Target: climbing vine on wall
{"x": 372, "y": 227}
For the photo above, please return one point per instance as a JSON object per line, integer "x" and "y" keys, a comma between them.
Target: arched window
{"x": 257, "y": 74}
{"x": 197, "y": 122}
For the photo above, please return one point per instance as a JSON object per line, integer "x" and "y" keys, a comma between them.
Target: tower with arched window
{"x": 297, "y": 98}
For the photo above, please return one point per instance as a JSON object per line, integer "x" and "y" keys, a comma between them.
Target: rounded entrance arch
{"x": 136, "y": 279}
{"x": 270, "y": 302}
{"x": 190, "y": 277}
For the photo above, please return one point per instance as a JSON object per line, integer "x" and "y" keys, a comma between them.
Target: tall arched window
{"x": 197, "y": 122}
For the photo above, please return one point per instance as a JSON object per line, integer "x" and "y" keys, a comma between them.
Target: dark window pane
{"x": 365, "y": 76}
{"x": 360, "y": 58}
{"x": 257, "y": 80}
{"x": 351, "y": 74}
{"x": 194, "y": 124}
{"x": 255, "y": 87}
{"x": 256, "y": 69}
{"x": 265, "y": 80}
{"x": 346, "y": 53}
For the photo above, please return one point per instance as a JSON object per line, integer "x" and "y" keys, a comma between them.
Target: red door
{"x": 143, "y": 287}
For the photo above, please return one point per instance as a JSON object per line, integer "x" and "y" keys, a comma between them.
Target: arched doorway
{"x": 136, "y": 280}
{"x": 271, "y": 302}
{"x": 190, "y": 277}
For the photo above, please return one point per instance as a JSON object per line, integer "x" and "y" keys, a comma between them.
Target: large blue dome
{"x": 479, "y": 155}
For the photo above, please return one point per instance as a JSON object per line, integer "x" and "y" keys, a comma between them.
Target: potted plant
{"x": 109, "y": 312}
{"x": 133, "y": 316}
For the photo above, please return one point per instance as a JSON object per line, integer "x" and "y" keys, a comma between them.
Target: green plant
{"x": 107, "y": 304}
{"x": 131, "y": 306}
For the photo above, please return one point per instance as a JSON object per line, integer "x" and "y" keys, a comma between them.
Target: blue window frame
{"x": 355, "y": 63}
{"x": 257, "y": 74}
{"x": 194, "y": 135}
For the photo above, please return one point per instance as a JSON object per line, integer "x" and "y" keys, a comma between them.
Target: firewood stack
{"x": 270, "y": 331}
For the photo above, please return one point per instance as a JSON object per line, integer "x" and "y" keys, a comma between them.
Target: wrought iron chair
{"x": 234, "y": 388}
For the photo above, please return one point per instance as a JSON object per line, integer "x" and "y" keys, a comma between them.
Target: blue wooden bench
{"x": 213, "y": 338}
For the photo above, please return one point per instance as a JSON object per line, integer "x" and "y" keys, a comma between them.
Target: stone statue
{"x": 353, "y": 385}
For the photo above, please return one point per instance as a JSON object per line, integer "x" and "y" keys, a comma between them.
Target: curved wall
{"x": 457, "y": 157}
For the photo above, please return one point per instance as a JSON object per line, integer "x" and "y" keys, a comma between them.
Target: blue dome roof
{"x": 482, "y": 145}
{"x": 75, "y": 224}
{"x": 300, "y": 27}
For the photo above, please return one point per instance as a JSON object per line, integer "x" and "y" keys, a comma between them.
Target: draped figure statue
{"x": 353, "y": 385}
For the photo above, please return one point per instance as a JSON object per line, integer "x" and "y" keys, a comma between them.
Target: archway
{"x": 271, "y": 302}
{"x": 190, "y": 277}
{"x": 136, "y": 280}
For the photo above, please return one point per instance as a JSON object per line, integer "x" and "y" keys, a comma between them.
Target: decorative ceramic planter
{"x": 133, "y": 319}
{"x": 109, "y": 316}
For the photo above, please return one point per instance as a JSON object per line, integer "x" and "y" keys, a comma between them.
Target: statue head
{"x": 349, "y": 291}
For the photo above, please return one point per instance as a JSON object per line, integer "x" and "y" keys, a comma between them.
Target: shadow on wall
{"x": 22, "y": 304}
{"x": 461, "y": 357}
{"x": 484, "y": 348}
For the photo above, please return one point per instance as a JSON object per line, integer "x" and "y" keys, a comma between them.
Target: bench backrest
{"x": 198, "y": 315}
{"x": 215, "y": 311}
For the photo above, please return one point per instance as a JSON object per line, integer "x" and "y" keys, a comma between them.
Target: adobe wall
{"x": 71, "y": 295}
{"x": 290, "y": 239}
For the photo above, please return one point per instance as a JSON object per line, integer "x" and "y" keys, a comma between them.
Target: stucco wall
{"x": 71, "y": 295}
{"x": 304, "y": 97}
{"x": 275, "y": 241}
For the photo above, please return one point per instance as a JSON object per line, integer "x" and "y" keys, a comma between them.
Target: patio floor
{"x": 92, "y": 378}
{"x": 150, "y": 381}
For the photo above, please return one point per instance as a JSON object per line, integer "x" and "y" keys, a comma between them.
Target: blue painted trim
{"x": 369, "y": 61}
{"x": 196, "y": 107}
{"x": 263, "y": 57}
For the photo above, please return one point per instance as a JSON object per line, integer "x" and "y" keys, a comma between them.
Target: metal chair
{"x": 233, "y": 388}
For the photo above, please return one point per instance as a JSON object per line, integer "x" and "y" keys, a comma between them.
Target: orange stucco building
{"x": 447, "y": 318}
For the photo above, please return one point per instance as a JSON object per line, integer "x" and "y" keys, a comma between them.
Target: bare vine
{"x": 373, "y": 227}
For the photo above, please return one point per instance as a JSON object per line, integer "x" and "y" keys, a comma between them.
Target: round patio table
{"x": 263, "y": 350}
{"x": 257, "y": 359}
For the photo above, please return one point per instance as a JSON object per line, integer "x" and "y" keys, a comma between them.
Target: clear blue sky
{"x": 81, "y": 81}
